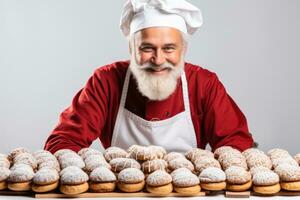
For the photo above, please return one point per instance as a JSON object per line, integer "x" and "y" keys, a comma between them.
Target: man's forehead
{"x": 160, "y": 34}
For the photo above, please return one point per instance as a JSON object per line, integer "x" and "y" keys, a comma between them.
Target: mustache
{"x": 151, "y": 66}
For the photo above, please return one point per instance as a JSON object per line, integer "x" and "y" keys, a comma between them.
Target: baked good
{"x": 102, "y": 180}
{"x": 254, "y": 170}
{"x": 258, "y": 159}
{"x": 118, "y": 164}
{"x": 172, "y": 155}
{"x": 4, "y": 162}
{"x": 221, "y": 150}
{"x": 284, "y": 160}
{"x": 266, "y": 182}
{"x": 114, "y": 152}
{"x": 150, "y": 166}
{"x": 73, "y": 180}
{"x": 143, "y": 153}
{"x": 212, "y": 179}
{"x": 20, "y": 178}
{"x": 297, "y": 158}
{"x": 185, "y": 182}
{"x": 94, "y": 161}
{"x": 86, "y": 152}
{"x": 289, "y": 176}
{"x": 131, "y": 180}
{"x": 159, "y": 182}
{"x": 204, "y": 162}
{"x": 45, "y": 180}
{"x": 61, "y": 152}
{"x": 179, "y": 163}
{"x": 277, "y": 153}
{"x": 197, "y": 153}
{"x": 238, "y": 179}
{"x": 15, "y": 152}
{"x": 70, "y": 159}
{"x": 4, "y": 174}
{"x": 232, "y": 158}
{"x": 25, "y": 158}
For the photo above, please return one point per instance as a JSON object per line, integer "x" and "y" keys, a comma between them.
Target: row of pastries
{"x": 150, "y": 168}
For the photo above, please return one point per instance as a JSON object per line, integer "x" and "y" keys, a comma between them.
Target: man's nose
{"x": 159, "y": 58}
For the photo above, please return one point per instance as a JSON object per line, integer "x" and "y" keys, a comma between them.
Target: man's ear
{"x": 129, "y": 47}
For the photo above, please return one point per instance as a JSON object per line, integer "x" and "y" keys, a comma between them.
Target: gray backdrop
{"x": 49, "y": 48}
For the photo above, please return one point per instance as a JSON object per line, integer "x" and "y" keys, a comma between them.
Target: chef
{"x": 155, "y": 98}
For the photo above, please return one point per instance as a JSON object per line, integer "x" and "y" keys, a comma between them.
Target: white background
{"x": 49, "y": 48}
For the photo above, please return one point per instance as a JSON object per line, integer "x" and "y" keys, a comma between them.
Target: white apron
{"x": 174, "y": 134}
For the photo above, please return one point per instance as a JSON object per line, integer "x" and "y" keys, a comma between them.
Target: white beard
{"x": 156, "y": 87}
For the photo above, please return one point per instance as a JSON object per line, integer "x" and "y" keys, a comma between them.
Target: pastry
{"x": 4, "y": 174}
{"x": 70, "y": 159}
{"x": 119, "y": 164}
{"x": 212, "y": 179}
{"x": 204, "y": 162}
{"x": 15, "y": 152}
{"x": 172, "y": 155}
{"x": 25, "y": 158}
{"x": 131, "y": 180}
{"x": 102, "y": 180}
{"x": 159, "y": 182}
{"x": 266, "y": 182}
{"x": 238, "y": 179}
{"x": 197, "y": 153}
{"x": 153, "y": 165}
{"x": 20, "y": 178}
{"x": 185, "y": 182}
{"x": 45, "y": 180}
{"x": 114, "y": 152}
{"x": 289, "y": 176}
{"x": 73, "y": 180}
{"x": 179, "y": 163}
{"x": 86, "y": 152}
{"x": 94, "y": 161}
{"x": 221, "y": 150}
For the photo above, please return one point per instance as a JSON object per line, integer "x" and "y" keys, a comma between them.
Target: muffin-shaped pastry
{"x": 153, "y": 165}
{"x": 4, "y": 174}
{"x": 102, "y": 180}
{"x": 266, "y": 182}
{"x": 252, "y": 151}
{"x": 179, "y": 163}
{"x": 16, "y": 152}
{"x": 173, "y": 155}
{"x": 289, "y": 177}
{"x": 297, "y": 158}
{"x": 61, "y": 152}
{"x": 4, "y": 162}
{"x": 143, "y": 153}
{"x": 71, "y": 159}
{"x": 205, "y": 162}
{"x": 159, "y": 151}
{"x": 238, "y": 179}
{"x": 45, "y": 180}
{"x": 114, "y": 152}
{"x": 232, "y": 158}
{"x": 212, "y": 179}
{"x": 284, "y": 160}
{"x": 159, "y": 182}
{"x": 221, "y": 150}
{"x": 118, "y": 164}
{"x": 277, "y": 153}
{"x": 20, "y": 178}
{"x": 185, "y": 182}
{"x": 197, "y": 153}
{"x": 94, "y": 161}
{"x": 25, "y": 158}
{"x": 254, "y": 170}
{"x": 258, "y": 159}
{"x": 43, "y": 156}
{"x": 52, "y": 164}
{"x": 73, "y": 180}
{"x": 131, "y": 180}
{"x": 86, "y": 152}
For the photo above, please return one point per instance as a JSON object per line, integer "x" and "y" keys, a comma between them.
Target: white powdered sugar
{"x": 284, "y": 160}
{"x": 102, "y": 175}
{"x": 114, "y": 152}
{"x": 205, "y": 162}
{"x": 288, "y": 172}
{"x": 254, "y": 170}
{"x": 16, "y": 152}
{"x": 4, "y": 162}
{"x": 52, "y": 164}
{"x": 258, "y": 159}
{"x": 25, "y": 158}
{"x": 131, "y": 175}
{"x": 4, "y": 173}
{"x": 94, "y": 161}
{"x": 222, "y": 150}
{"x": 197, "y": 153}
{"x": 61, "y": 152}
{"x": 159, "y": 178}
{"x": 265, "y": 178}
{"x": 73, "y": 175}
{"x": 237, "y": 175}
{"x": 71, "y": 159}
{"x": 297, "y": 158}
{"x": 212, "y": 175}
{"x": 119, "y": 164}
{"x": 88, "y": 152}
{"x": 21, "y": 173}
{"x": 45, "y": 176}
{"x": 181, "y": 162}
{"x": 173, "y": 155}
{"x": 183, "y": 178}
{"x": 153, "y": 165}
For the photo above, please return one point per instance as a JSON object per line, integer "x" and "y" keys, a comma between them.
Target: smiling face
{"x": 157, "y": 60}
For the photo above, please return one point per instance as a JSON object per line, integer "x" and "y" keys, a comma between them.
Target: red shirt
{"x": 216, "y": 118}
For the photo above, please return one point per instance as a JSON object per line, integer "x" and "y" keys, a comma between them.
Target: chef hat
{"x": 179, "y": 14}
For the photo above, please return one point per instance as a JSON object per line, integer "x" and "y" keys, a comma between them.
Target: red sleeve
{"x": 81, "y": 123}
{"x": 224, "y": 123}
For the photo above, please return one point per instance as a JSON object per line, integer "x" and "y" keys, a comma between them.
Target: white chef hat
{"x": 179, "y": 14}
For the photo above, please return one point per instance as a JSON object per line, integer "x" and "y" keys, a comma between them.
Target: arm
{"x": 81, "y": 123}
{"x": 224, "y": 123}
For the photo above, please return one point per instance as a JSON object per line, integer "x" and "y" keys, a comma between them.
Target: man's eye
{"x": 169, "y": 49}
{"x": 146, "y": 49}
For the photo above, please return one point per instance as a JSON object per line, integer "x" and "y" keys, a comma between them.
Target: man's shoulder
{"x": 197, "y": 71}
{"x": 116, "y": 69}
